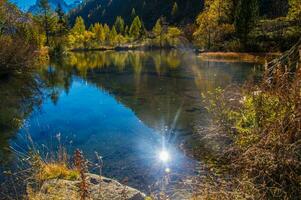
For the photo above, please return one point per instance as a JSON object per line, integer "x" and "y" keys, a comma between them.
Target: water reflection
{"x": 135, "y": 108}
{"x": 20, "y": 95}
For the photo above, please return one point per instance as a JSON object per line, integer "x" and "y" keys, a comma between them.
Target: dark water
{"x": 127, "y": 106}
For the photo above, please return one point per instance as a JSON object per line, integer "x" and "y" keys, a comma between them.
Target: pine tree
{"x": 62, "y": 24}
{"x": 60, "y": 13}
{"x": 174, "y": 10}
{"x": 45, "y": 9}
{"x": 135, "y": 29}
{"x": 119, "y": 25}
{"x": 246, "y": 15}
{"x": 133, "y": 14}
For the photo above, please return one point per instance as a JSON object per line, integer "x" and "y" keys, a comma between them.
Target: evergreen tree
{"x": 135, "y": 29}
{"x": 133, "y": 14}
{"x": 60, "y": 13}
{"x": 45, "y": 9}
{"x": 247, "y": 12}
{"x": 175, "y": 9}
{"x": 61, "y": 23}
{"x": 119, "y": 25}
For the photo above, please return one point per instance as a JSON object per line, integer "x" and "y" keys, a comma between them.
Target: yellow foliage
{"x": 214, "y": 22}
{"x": 56, "y": 170}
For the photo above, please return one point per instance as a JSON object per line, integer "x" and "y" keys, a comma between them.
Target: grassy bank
{"x": 238, "y": 57}
{"x": 44, "y": 173}
{"x": 263, "y": 122}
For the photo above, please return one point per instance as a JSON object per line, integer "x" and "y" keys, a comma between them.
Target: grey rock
{"x": 99, "y": 188}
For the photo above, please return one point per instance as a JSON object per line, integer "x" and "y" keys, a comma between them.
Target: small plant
{"x": 81, "y": 166}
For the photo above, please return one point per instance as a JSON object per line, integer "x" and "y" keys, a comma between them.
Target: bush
{"x": 19, "y": 39}
{"x": 264, "y": 122}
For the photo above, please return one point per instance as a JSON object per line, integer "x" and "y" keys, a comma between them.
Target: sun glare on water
{"x": 164, "y": 156}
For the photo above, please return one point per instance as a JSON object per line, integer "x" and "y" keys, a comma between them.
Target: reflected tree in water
{"x": 20, "y": 95}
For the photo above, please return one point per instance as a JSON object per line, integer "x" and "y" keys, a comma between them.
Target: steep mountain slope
{"x": 53, "y": 4}
{"x": 106, "y": 11}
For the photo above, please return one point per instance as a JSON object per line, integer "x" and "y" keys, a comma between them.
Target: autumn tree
{"x": 79, "y": 26}
{"x": 113, "y": 35}
{"x": 119, "y": 25}
{"x": 107, "y": 31}
{"x": 160, "y": 30}
{"x": 99, "y": 32}
{"x": 294, "y": 13}
{"x": 46, "y": 12}
{"x": 136, "y": 28}
{"x": 214, "y": 23}
{"x": 157, "y": 29}
{"x": 61, "y": 22}
{"x": 77, "y": 36}
{"x": 173, "y": 35}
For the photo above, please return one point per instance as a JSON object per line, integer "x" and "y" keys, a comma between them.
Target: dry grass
{"x": 264, "y": 122}
{"x": 56, "y": 171}
{"x": 237, "y": 57}
{"x": 81, "y": 166}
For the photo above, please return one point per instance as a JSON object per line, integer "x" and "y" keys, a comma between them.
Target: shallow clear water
{"x": 127, "y": 106}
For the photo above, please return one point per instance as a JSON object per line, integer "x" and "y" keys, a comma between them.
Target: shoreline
{"x": 123, "y": 48}
{"x": 219, "y": 56}
{"x": 250, "y": 57}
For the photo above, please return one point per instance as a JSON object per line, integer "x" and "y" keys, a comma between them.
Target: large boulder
{"x": 98, "y": 188}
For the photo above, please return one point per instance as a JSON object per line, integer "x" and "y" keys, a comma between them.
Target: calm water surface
{"x": 127, "y": 106}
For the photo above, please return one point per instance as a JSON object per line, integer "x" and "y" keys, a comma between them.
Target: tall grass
{"x": 264, "y": 122}
{"x": 36, "y": 164}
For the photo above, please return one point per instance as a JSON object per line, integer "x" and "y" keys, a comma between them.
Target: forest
{"x": 154, "y": 100}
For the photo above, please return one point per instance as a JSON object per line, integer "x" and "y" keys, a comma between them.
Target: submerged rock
{"x": 98, "y": 187}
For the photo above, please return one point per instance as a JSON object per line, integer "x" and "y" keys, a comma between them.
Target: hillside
{"x": 53, "y": 4}
{"x": 106, "y": 11}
